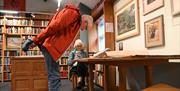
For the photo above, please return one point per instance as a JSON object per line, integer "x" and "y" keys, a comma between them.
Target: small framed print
{"x": 154, "y": 32}
{"x": 151, "y": 5}
{"x": 175, "y": 5}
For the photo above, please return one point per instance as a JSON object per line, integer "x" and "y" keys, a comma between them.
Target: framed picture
{"x": 127, "y": 21}
{"x": 175, "y": 4}
{"x": 151, "y": 5}
{"x": 154, "y": 32}
{"x": 13, "y": 42}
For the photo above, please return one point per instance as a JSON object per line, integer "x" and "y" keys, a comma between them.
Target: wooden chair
{"x": 74, "y": 78}
{"x": 161, "y": 87}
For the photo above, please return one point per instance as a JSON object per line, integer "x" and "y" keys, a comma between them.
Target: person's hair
{"x": 78, "y": 42}
{"x": 89, "y": 20}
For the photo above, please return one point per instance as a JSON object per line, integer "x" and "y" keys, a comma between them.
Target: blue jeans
{"x": 52, "y": 66}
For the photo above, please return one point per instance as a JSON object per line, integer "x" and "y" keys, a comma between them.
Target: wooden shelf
{"x": 20, "y": 27}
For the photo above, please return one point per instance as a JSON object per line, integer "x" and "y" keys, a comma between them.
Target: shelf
{"x": 14, "y": 29}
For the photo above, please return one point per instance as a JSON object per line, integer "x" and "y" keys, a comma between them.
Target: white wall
{"x": 171, "y": 30}
{"x": 166, "y": 73}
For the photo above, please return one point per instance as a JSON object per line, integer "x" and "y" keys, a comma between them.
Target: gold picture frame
{"x": 152, "y": 5}
{"x": 154, "y": 32}
{"x": 175, "y": 6}
{"x": 127, "y": 21}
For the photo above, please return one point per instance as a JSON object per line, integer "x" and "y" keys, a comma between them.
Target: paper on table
{"x": 126, "y": 53}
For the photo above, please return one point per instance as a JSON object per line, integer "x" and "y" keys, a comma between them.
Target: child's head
{"x": 78, "y": 45}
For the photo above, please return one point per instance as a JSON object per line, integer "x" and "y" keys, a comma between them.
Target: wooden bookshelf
{"x": 14, "y": 30}
{"x": 63, "y": 67}
{"x": 99, "y": 75}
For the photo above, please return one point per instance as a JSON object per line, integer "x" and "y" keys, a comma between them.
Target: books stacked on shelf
{"x": 98, "y": 79}
{"x": 14, "y": 30}
{"x": 64, "y": 69}
{"x": 99, "y": 75}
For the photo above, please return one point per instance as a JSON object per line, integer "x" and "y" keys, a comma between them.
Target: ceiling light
{"x": 8, "y": 11}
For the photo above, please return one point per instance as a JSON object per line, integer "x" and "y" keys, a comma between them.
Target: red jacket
{"x": 60, "y": 31}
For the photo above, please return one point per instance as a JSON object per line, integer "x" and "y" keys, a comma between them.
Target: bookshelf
{"x": 99, "y": 75}
{"x": 14, "y": 30}
{"x": 64, "y": 68}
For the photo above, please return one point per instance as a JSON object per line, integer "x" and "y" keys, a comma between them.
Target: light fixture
{"x": 8, "y": 11}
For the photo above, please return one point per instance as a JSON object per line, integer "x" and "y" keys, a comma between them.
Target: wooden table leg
{"x": 148, "y": 76}
{"x": 122, "y": 78}
{"x": 106, "y": 71}
{"x": 90, "y": 77}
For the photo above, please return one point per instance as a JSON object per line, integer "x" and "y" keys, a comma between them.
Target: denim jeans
{"x": 52, "y": 66}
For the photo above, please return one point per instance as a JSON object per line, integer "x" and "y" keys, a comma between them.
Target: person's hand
{"x": 26, "y": 45}
{"x": 32, "y": 46}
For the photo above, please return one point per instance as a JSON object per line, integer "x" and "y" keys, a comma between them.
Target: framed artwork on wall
{"x": 175, "y": 4}
{"x": 151, "y": 5}
{"x": 154, "y": 32}
{"x": 13, "y": 42}
{"x": 127, "y": 21}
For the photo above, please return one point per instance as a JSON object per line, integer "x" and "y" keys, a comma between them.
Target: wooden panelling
{"x": 29, "y": 74}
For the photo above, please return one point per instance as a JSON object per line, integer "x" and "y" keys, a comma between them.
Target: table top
{"x": 145, "y": 59}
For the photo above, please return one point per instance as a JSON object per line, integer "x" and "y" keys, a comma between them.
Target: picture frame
{"x": 127, "y": 21}
{"x": 13, "y": 42}
{"x": 175, "y": 6}
{"x": 152, "y": 5}
{"x": 154, "y": 32}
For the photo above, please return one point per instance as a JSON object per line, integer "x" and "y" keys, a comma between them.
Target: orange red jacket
{"x": 60, "y": 31}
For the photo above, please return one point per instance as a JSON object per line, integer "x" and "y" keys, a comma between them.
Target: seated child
{"x": 79, "y": 69}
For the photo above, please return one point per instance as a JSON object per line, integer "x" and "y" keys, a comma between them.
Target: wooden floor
{"x": 66, "y": 86}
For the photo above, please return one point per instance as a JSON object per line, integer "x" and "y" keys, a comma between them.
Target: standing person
{"x": 77, "y": 68}
{"x": 56, "y": 38}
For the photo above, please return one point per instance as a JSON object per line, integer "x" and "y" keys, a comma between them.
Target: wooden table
{"x": 124, "y": 63}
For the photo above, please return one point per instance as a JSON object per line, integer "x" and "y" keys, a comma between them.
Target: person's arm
{"x": 58, "y": 24}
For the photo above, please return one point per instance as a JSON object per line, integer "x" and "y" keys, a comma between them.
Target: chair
{"x": 161, "y": 87}
{"x": 74, "y": 80}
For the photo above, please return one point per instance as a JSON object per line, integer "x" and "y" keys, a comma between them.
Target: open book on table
{"x": 125, "y": 53}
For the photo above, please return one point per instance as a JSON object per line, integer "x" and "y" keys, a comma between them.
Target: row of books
{"x": 63, "y": 61}
{"x": 24, "y": 30}
{"x": 64, "y": 68}
{"x": 99, "y": 79}
{"x": 31, "y": 53}
{"x": 7, "y": 68}
{"x": 63, "y": 74}
{"x": 1, "y": 37}
{"x": 7, "y": 61}
{"x": 7, "y": 76}
{"x": 0, "y": 69}
{"x": 1, "y": 28}
{"x": 8, "y": 53}
{"x": 99, "y": 67}
{"x": 25, "y": 22}
{"x": 1, "y": 21}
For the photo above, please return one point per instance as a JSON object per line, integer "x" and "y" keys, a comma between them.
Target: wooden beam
{"x": 97, "y": 11}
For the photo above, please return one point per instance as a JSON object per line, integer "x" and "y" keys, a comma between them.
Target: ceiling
{"x": 89, "y": 3}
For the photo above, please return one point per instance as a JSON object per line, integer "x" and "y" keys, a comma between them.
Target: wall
{"x": 1, "y": 4}
{"x": 41, "y": 5}
{"x": 162, "y": 73}
{"x": 171, "y": 29}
